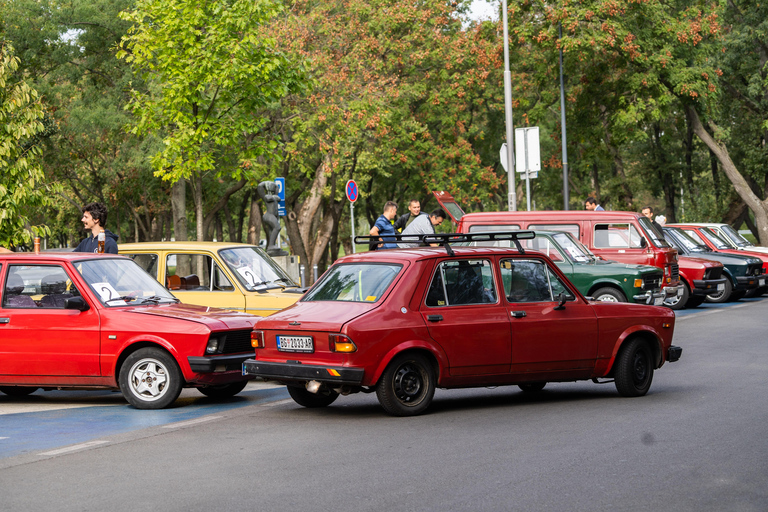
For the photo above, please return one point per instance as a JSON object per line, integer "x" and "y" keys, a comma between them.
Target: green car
{"x": 603, "y": 280}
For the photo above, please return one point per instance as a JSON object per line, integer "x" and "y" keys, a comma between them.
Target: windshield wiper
{"x": 157, "y": 299}
{"x": 124, "y": 298}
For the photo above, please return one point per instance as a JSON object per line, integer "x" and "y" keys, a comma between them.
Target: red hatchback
{"x": 403, "y": 322}
{"x": 77, "y": 320}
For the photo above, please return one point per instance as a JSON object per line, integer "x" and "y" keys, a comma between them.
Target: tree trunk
{"x": 254, "y": 221}
{"x": 199, "y": 217}
{"x": 220, "y": 204}
{"x": 179, "y": 210}
{"x": 758, "y": 206}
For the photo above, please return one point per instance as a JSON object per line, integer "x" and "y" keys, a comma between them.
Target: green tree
{"x": 208, "y": 75}
{"x": 22, "y": 185}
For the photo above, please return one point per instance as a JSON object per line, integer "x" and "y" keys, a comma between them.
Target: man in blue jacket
{"x": 94, "y": 219}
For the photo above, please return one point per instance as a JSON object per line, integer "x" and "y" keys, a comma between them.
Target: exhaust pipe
{"x": 313, "y": 386}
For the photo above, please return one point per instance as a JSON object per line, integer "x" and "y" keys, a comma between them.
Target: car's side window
{"x": 559, "y": 287}
{"x": 544, "y": 245}
{"x": 188, "y": 272}
{"x": 220, "y": 281}
{"x": 568, "y": 228}
{"x": 43, "y": 286}
{"x": 526, "y": 280}
{"x": 146, "y": 261}
{"x": 462, "y": 282}
{"x": 617, "y": 236}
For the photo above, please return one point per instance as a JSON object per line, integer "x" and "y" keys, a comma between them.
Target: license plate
{"x": 658, "y": 301}
{"x": 295, "y": 344}
{"x": 761, "y": 282}
{"x": 721, "y": 287}
{"x": 680, "y": 292}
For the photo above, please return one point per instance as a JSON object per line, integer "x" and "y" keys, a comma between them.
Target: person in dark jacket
{"x": 94, "y": 219}
{"x": 414, "y": 210}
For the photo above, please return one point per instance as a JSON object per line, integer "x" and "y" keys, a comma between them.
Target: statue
{"x": 268, "y": 192}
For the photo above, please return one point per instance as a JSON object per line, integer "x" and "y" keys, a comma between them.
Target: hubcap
{"x": 641, "y": 368}
{"x": 148, "y": 379}
{"x": 607, "y": 298}
{"x": 408, "y": 383}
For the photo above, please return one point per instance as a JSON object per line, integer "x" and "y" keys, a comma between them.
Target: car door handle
{"x": 435, "y": 318}
{"x": 518, "y": 314}
{"x": 5, "y": 320}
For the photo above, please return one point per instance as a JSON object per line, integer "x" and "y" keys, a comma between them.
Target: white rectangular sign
{"x": 527, "y": 152}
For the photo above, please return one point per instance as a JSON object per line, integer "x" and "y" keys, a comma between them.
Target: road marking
{"x": 73, "y": 448}
{"x": 278, "y": 402}
{"x": 3, "y": 438}
{"x": 191, "y": 422}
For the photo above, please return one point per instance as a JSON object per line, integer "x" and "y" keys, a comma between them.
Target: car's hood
{"x": 610, "y": 265}
{"x": 327, "y": 316}
{"x": 214, "y": 318}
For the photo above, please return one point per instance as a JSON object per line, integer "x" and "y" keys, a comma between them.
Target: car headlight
{"x": 215, "y": 344}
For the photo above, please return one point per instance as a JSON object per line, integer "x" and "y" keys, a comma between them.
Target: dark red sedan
{"x": 76, "y": 320}
{"x": 403, "y": 322}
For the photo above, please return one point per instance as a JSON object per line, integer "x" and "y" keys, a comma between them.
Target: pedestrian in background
{"x": 383, "y": 227}
{"x": 94, "y": 220}
{"x": 647, "y": 212}
{"x": 591, "y": 204}
{"x": 423, "y": 225}
{"x": 414, "y": 210}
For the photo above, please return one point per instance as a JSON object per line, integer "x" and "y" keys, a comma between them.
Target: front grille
{"x": 713, "y": 273}
{"x": 675, "y": 269}
{"x": 653, "y": 281}
{"x": 237, "y": 341}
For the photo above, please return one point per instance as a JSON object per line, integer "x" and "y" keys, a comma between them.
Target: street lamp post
{"x": 512, "y": 193}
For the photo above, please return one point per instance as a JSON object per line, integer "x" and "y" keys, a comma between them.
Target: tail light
{"x": 257, "y": 339}
{"x": 341, "y": 343}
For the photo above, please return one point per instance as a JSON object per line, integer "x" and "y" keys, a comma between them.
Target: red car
{"x": 77, "y": 320}
{"x": 402, "y": 322}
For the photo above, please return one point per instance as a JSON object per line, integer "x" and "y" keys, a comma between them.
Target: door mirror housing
{"x": 561, "y": 298}
{"x": 77, "y": 303}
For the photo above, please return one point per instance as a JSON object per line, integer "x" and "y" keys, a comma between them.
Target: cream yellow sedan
{"x": 239, "y": 277}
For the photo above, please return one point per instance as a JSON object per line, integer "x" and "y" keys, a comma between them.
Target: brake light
{"x": 257, "y": 339}
{"x": 341, "y": 343}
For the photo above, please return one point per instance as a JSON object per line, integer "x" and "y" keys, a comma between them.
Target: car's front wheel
{"x": 608, "y": 294}
{"x": 723, "y": 295}
{"x": 150, "y": 379}
{"x": 17, "y": 390}
{"x": 407, "y": 385}
{"x": 224, "y": 390}
{"x": 532, "y": 387}
{"x": 323, "y": 398}
{"x": 634, "y": 368}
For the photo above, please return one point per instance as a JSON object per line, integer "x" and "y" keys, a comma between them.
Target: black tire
{"x": 634, "y": 368}
{"x": 150, "y": 379}
{"x": 676, "y": 303}
{"x": 322, "y": 398}
{"x": 407, "y": 385}
{"x": 723, "y": 296}
{"x": 223, "y": 391}
{"x": 608, "y": 294}
{"x": 756, "y": 292}
{"x": 532, "y": 387}
{"x": 17, "y": 390}
{"x": 694, "y": 302}
{"x": 737, "y": 295}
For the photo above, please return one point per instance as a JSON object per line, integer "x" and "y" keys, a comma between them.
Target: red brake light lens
{"x": 257, "y": 339}
{"x": 341, "y": 343}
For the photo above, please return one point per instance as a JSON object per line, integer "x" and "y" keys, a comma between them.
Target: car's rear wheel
{"x": 679, "y": 302}
{"x": 723, "y": 295}
{"x": 150, "y": 379}
{"x": 532, "y": 387}
{"x": 407, "y": 386}
{"x": 608, "y": 294}
{"x": 634, "y": 368}
{"x": 17, "y": 390}
{"x": 224, "y": 390}
{"x": 694, "y": 302}
{"x": 323, "y": 398}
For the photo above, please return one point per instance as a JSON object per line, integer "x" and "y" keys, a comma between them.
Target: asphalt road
{"x": 696, "y": 442}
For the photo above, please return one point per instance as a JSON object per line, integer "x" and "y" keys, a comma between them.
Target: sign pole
{"x": 352, "y": 193}
{"x": 511, "y": 192}
{"x": 352, "y": 216}
{"x": 527, "y": 172}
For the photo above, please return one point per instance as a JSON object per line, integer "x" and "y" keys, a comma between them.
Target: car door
{"x": 465, "y": 315}
{"x": 545, "y": 339}
{"x": 39, "y": 337}
{"x": 197, "y": 278}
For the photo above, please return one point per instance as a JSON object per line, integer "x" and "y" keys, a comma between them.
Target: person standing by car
{"x": 647, "y": 212}
{"x": 591, "y": 204}
{"x": 423, "y": 225}
{"x": 414, "y": 210}
{"x": 94, "y": 219}
{"x": 383, "y": 226}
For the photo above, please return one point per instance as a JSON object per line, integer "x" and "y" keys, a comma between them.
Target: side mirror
{"x": 561, "y": 298}
{"x": 643, "y": 242}
{"x": 77, "y": 303}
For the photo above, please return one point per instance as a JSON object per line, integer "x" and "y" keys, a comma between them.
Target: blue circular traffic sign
{"x": 351, "y": 190}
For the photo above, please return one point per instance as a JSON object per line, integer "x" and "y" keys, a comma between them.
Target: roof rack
{"x": 445, "y": 239}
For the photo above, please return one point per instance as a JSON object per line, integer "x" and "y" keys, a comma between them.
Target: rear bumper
{"x": 302, "y": 372}
{"x": 674, "y": 353}
{"x": 707, "y": 286}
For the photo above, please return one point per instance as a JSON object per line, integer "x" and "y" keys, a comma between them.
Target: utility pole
{"x": 512, "y": 192}
{"x": 566, "y": 193}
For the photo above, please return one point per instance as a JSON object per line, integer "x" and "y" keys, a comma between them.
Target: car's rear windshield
{"x": 354, "y": 282}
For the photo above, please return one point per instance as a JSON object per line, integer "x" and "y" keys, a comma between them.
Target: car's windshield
{"x": 736, "y": 237}
{"x": 653, "y": 233}
{"x": 680, "y": 239}
{"x": 574, "y": 249}
{"x": 354, "y": 282}
{"x": 718, "y": 242}
{"x": 120, "y": 282}
{"x": 254, "y": 269}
